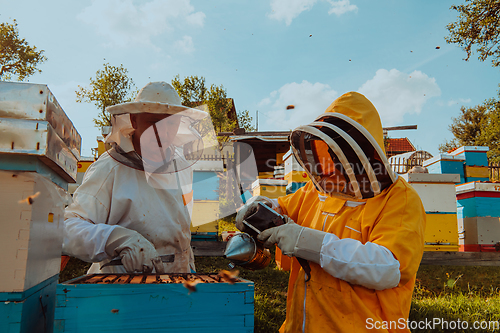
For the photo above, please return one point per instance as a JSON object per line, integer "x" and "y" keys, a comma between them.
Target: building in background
{"x": 397, "y": 146}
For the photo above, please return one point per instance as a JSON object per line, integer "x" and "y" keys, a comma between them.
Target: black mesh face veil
{"x": 167, "y": 146}
{"x": 341, "y": 157}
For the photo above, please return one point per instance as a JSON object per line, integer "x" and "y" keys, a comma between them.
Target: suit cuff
{"x": 309, "y": 244}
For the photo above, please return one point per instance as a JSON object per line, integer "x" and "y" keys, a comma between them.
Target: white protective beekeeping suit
{"x": 138, "y": 206}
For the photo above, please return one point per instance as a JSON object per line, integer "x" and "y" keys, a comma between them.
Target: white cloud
{"x": 185, "y": 45}
{"x": 309, "y": 100}
{"x": 287, "y": 10}
{"x": 341, "y": 7}
{"x": 126, "y": 24}
{"x": 395, "y": 93}
{"x": 459, "y": 101}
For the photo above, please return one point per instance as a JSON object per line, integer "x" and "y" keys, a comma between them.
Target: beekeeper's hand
{"x": 250, "y": 207}
{"x": 294, "y": 240}
{"x": 136, "y": 252}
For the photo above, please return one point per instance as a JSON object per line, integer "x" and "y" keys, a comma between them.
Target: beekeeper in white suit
{"x": 134, "y": 202}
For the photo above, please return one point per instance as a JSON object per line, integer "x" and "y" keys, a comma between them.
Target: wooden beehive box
{"x": 271, "y": 188}
{"x": 437, "y": 192}
{"x": 294, "y": 173}
{"x": 154, "y": 303}
{"x": 479, "y": 216}
{"x": 446, "y": 164}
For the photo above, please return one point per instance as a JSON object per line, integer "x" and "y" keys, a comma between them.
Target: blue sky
{"x": 267, "y": 54}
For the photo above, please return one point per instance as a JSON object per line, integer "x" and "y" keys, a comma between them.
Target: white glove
{"x": 136, "y": 252}
{"x": 370, "y": 265}
{"x": 250, "y": 207}
{"x": 294, "y": 240}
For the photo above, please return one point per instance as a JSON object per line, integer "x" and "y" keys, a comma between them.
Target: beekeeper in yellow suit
{"x": 359, "y": 226}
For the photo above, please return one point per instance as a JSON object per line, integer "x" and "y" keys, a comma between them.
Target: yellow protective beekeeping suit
{"x": 395, "y": 219}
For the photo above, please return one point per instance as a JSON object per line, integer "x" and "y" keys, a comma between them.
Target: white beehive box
{"x": 32, "y": 123}
{"x": 32, "y": 234}
{"x": 437, "y": 193}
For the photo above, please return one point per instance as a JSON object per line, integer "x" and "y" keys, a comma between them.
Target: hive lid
{"x": 477, "y": 149}
{"x": 29, "y": 101}
{"x": 431, "y": 178}
{"x": 443, "y": 157}
{"x": 269, "y": 182}
{"x": 478, "y": 186}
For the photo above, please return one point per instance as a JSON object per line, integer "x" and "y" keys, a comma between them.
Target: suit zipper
{"x": 305, "y": 283}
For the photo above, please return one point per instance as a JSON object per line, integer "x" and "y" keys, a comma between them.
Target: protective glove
{"x": 136, "y": 252}
{"x": 294, "y": 240}
{"x": 249, "y": 208}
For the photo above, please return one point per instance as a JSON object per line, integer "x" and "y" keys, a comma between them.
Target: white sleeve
{"x": 85, "y": 227}
{"x": 369, "y": 265}
{"x": 85, "y": 240}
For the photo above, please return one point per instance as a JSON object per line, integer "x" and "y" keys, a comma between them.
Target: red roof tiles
{"x": 395, "y": 146}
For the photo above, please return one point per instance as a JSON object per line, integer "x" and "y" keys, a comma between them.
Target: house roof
{"x": 398, "y": 145}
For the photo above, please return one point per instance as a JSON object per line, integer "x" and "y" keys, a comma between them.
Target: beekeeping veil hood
{"x": 342, "y": 150}
{"x": 171, "y": 144}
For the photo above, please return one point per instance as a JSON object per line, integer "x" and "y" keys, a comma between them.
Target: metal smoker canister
{"x": 247, "y": 251}
{"x": 244, "y": 251}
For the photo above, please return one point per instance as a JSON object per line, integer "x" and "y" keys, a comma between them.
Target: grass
{"x": 452, "y": 293}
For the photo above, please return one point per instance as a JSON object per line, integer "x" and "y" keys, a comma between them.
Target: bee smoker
{"x": 245, "y": 249}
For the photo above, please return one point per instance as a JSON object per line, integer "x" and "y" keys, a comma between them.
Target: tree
{"x": 245, "y": 121}
{"x": 194, "y": 92}
{"x": 16, "y": 56}
{"x": 111, "y": 86}
{"x": 478, "y": 24}
{"x": 477, "y": 126}
{"x": 490, "y": 132}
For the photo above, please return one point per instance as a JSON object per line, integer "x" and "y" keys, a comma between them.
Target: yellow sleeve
{"x": 400, "y": 228}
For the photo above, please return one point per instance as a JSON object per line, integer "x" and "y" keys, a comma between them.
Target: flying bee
{"x": 30, "y": 199}
{"x": 191, "y": 285}
{"x": 231, "y": 277}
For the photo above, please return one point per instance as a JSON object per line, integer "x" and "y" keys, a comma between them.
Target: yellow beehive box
{"x": 271, "y": 188}
{"x": 266, "y": 174}
{"x": 477, "y": 172}
{"x": 205, "y": 216}
{"x": 441, "y": 232}
{"x": 294, "y": 173}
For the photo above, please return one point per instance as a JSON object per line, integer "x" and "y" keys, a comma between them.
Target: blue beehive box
{"x": 478, "y": 208}
{"x": 29, "y": 311}
{"x": 474, "y": 155}
{"x": 154, "y": 303}
{"x": 446, "y": 164}
{"x": 476, "y": 162}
